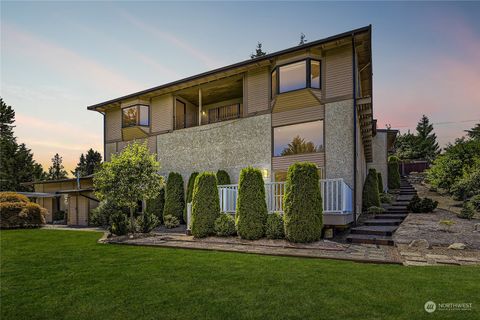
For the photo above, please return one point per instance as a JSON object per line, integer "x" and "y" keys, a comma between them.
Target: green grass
{"x": 48, "y": 274}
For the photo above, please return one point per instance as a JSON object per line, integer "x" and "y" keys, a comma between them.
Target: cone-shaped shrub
{"x": 251, "y": 214}
{"x": 380, "y": 182}
{"x": 205, "y": 205}
{"x": 371, "y": 197}
{"x": 190, "y": 185}
{"x": 223, "y": 177}
{"x": 302, "y": 203}
{"x": 174, "y": 196}
{"x": 393, "y": 173}
{"x": 157, "y": 204}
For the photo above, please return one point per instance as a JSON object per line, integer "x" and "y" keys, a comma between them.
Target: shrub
{"x": 225, "y": 225}
{"x": 375, "y": 210}
{"x": 371, "y": 196}
{"x": 170, "y": 221}
{"x": 100, "y": 216}
{"x": 13, "y": 197}
{"x": 380, "y": 182}
{"x": 205, "y": 205}
{"x": 274, "y": 228}
{"x": 147, "y": 222}
{"x": 468, "y": 211}
{"x": 119, "y": 224}
{"x": 174, "y": 196}
{"x": 475, "y": 201}
{"x": 393, "y": 173}
{"x": 251, "y": 212}
{"x": 468, "y": 185}
{"x": 59, "y": 215}
{"x": 21, "y": 214}
{"x": 190, "y": 185}
{"x": 157, "y": 205}
{"x": 302, "y": 203}
{"x": 223, "y": 177}
{"x": 424, "y": 205}
{"x": 386, "y": 198}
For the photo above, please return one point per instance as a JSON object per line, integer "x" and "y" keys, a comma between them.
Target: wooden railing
{"x": 224, "y": 113}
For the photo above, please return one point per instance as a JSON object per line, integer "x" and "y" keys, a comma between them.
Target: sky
{"x": 59, "y": 57}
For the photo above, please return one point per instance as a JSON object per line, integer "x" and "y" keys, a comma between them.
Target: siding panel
{"x": 338, "y": 72}
{"x": 258, "y": 90}
{"x": 282, "y": 163}
{"x": 298, "y": 115}
{"x": 162, "y": 113}
{"x": 113, "y": 129}
{"x": 295, "y": 100}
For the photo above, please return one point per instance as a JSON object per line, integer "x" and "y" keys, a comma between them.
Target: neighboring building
{"x": 312, "y": 102}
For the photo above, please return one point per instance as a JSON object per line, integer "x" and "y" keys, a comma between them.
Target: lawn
{"x": 49, "y": 274}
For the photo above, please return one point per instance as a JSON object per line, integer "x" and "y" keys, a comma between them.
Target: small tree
{"x": 157, "y": 204}
{"x": 380, "y": 182}
{"x": 205, "y": 205}
{"x": 302, "y": 203}
{"x": 258, "y": 51}
{"x": 174, "y": 196}
{"x": 56, "y": 170}
{"x": 393, "y": 173}
{"x": 190, "y": 185}
{"x": 128, "y": 178}
{"x": 370, "y": 197}
{"x": 223, "y": 177}
{"x": 251, "y": 214}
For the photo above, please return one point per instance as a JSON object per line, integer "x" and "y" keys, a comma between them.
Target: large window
{"x": 297, "y": 75}
{"x": 135, "y": 116}
{"x": 298, "y": 138}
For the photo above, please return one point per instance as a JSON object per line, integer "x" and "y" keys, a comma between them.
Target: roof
{"x": 236, "y": 65}
{"x": 39, "y": 194}
{"x": 60, "y": 180}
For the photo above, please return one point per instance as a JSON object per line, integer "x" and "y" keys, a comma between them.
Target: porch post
{"x": 199, "y": 106}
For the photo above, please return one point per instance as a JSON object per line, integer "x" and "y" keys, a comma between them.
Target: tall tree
{"x": 88, "y": 163}
{"x": 474, "y": 133}
{"x": 299, "y": 145}
{"x": 258, "y": 51}
{"x": 56, "y": 170}
{"x": 302, "y": 39}
{"x": 427, "y": 146}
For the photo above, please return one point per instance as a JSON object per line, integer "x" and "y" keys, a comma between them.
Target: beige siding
{"x": 298, "y": 115}
{"x": 161, "y": 110}
{"x": 338, "y": 72}
{"x": 295, "y": 100}
{"x": 258, "y": 90}
{"x": 152, "y": 144}
{"x": 282, "y": 163}
{"x": 110, "y": 148}
{"x": 113, "y": 124}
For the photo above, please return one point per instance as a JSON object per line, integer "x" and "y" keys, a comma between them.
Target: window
{"x": 135, "y": 116}
{"x": 292, "y": 76}
{"x": 298, "y": 138}
{"x": 315, "y": 74}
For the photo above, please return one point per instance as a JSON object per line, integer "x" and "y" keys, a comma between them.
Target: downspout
{"x": 354, "y": 132}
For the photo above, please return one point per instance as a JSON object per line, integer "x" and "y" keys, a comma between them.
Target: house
{"x": 311, "y": 102}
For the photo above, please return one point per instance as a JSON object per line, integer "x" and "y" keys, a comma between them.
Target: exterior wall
{"x": 282, "y": 163}
{"x": 79, "y": 208}
{"x": 231, "y": 146}
{"x": 380, "y": 156}
{"x": 47, "y": 203}
{"x": 258, "y": 90}
{"x": 339, "y": 141}
{"x": 161, "y": 113}
{"x": 338, "y": 73}
{"x": 361, "y": 169}
{"x": 298, "y": 115}
{"x": 113, "y": 125}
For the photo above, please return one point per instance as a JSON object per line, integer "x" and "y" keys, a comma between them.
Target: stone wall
{"x": 230, "y": 145}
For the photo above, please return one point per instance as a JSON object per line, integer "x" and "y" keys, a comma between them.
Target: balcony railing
{"x": 224, "y": 113}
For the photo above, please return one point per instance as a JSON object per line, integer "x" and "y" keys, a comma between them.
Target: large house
{"x": 311, "y": 102}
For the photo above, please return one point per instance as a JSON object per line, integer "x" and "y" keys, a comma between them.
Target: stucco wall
{"x": 339, "y": 140}
{"x": 380, "y": 156}
{"x": 230, "y": 146}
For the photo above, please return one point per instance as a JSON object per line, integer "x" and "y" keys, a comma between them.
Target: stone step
{"x": 396, "y": 211}
{"x": 405, "y": 197}
{"x": 391, "y": 216}
{"x": 375, "y": 230}
{"x": 383, "y": 222}
{"x": 370, "y": 239}
{"x": 397, "y": 208}
{"x": 400, "y": 204}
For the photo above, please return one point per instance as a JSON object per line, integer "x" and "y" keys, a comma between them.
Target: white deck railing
{"x": 336, "y": 196}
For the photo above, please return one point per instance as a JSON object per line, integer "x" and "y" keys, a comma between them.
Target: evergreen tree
{"x": 474, "y": 133}
{"x": 299, "y": 145}
{"x": 258, "y": 51}
{"x": 302, "y": 39}
{"x": 56, "y": 170}
{"x": 88, "y": 163}
{"x": 427, "y": 146}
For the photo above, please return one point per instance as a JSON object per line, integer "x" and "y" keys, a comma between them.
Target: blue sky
{"x": 59, "y": 57}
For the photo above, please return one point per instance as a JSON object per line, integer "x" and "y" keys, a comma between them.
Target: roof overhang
{"x": 39, "y": 194}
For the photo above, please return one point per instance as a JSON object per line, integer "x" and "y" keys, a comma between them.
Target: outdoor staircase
{"x": 379, "y": 228}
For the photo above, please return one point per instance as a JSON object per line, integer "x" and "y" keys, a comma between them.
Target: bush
{"x": 393, "y": 173}
{"x": 157, "y": 205}
{"x": 274, "y": 228}
{"x": 13, "y": 197}
{"x": 205, "y": 205}
{"x": 147, "y": 222}
{"x": 190, "y": 185}
{"x": 386, "y": 198}
{"x": 222, "y": 177}
{"x": 468, "y": 211}
{"x": 467, "y": 186}
{"x": 119, "y": 224}
{"x": 170, "y": 221}
{"x": 371, "y": 197}
{"x": 475, "y": 201}
{"x": 375, "y": 210}
{"x": 174, "y": 196}
{"x": 225, "y": 225}
{"x": 380, "y": 182}
{"x": 59, "y": 215}
{"x": 302, "y": 203}
{"x": 100, "y": 216}
{"x": 251, "y": 212}
{"x": 20, "y": 214}
{"x": 424, "y": 205}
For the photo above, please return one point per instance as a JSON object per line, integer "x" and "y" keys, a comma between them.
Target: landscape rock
{"x": 476, "y": 227}
{"x": 419, "y": 243}
{"x": 457, "y": 246}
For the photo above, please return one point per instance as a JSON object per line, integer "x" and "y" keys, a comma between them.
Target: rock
{"x": 419, "y": 243}
{"x": 476, "y": 227}
{"x": 457, "y": 246}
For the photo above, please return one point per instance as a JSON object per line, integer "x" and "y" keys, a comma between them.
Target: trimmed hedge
{"x": 174, "y": 196}
{"x": 370, "y": 197}
{"x": 251, "y": 212}
{"x": 225, "y": 225}
{"x": 380, "y": 182}
{"x": 274, "y": 228}
{"x": 418, "y": 205}
{"x": 223, "y": 177}
{"x": 190, "y": 185}
{"x": 393, "y": 173}
{"x": 205, "y": 205}
{"x": 156, "y": 205}
{"x": 20, "y": 214}
{"x": 302, "y": 203}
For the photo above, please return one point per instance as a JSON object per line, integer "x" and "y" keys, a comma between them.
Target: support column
{"x": 199, "y": 106}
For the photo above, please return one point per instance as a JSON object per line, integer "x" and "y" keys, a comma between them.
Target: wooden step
{"x": 370, "y": 239}
{"x": 375, "y": 230}
{"x": 383, "y": 222}
{"x": 391, "y": 216}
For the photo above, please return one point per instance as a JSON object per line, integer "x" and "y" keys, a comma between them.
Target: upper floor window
{"x": 298, "y": 138}
{"x": 297, "y": 75}
{"x": 135, "y": 116}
